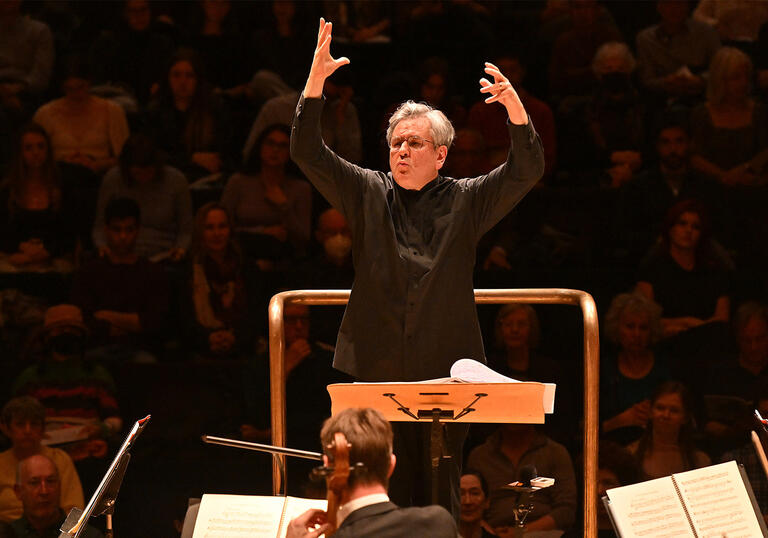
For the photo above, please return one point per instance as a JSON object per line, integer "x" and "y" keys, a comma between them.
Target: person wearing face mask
{"x": 74, "y": 391}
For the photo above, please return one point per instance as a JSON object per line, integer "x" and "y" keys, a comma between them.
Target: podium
{"x": 449, "y": 400}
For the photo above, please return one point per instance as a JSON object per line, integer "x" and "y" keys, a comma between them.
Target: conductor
{"x": 411, "y": 312}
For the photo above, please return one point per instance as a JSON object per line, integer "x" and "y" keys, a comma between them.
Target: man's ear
{"x": 392, "y": 463}
{"x": 442, "y": 154}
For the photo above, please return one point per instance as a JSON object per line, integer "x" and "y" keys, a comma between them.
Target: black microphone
{"x": 526, "y": 474}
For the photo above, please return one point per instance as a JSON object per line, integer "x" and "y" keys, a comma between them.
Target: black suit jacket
{"x": 387, "y": 520}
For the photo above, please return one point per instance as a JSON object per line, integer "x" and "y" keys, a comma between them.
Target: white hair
{"x": 613, "y": 49}
{"x": 440, "y": 127}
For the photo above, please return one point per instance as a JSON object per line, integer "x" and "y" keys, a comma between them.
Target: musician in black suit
{"x": 365, "y": 509}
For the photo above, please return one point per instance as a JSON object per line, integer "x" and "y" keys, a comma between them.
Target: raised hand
{"x": 501, "y": 91}
{"x": 323, "y": 64}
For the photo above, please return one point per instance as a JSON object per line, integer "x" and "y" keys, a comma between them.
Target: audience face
{"x": 25, "y": 434}
{"x": 76, "y": 89}
{"x": 513, "y": 70}
{"x": 668, "y": 413}
{"x": 672, "y": 147}
{"x": 606, "y": 479}
{"x": 334, "y": 234}
{"x": 515, "y": 329}
{"x": 673, "y": 13}
{"x": 284, "y": 11}
{"x": 121, "y": 235}
{"x": 216, "y": 231}
{"x": 39, "y": 490}
{"x": 468, "y": 155}
{"x": 138, "y": 15}
{"x": 34, "y": 150}
{"x": 275, "y": 150}
{"x": 634, "y": 331}
{"x": 182, "y": 80}
{"x": 415, "y": 166}
{"x": 737, "y": 82}
{"x": 142, "y": 174}
{"x": 753, "y": 341}
{"x": 433, "y": 89}
{"x": 216, "y": 10}
{"x": 296, "y": 318}
{"x": 473, "y": 499}
{"x": 686, "y": 232}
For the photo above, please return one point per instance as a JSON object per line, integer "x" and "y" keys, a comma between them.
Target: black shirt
{"x": 411, "y": 313}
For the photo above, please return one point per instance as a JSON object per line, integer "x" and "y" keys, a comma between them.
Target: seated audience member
{"x": 491, "y": 121}
{"x": 330, "y": 268}
{"x": 673, "y": 54}
{"x": 86, "y": 131}
{"x": 667, "y": 446}
{"x": 124, "y": 296}
{"x": 270, "y": 205}
{"x": 570, "y": 72}
{"x": 22, "y": 421}
{"x": 189, "y": 122}
{"x": 746, "y": 455}
{"x": 683, "y": 273}
{"x": 74, "y": 391}
{"x": 730, "y": 130}
{"x": 633, "y": 369}
{"x": 610, "y": 129}
{"x": 26, "y": 57}
{"x": 339, "y": 121}
{"x": 225, "y": 292}
{"x": 505, "y": 456}
{"x": 644, "y": 200}
{"x": 474, "y": 502}
{"x": 135, "y": 54}
{"x": 162, "y": 194}
{"x": 616, "y": 468}
{"x": 38, "y": 487}
{"x": 36, "y": 224}
{"x": 366, "y": 510}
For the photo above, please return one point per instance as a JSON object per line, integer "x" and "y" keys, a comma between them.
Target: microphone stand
{"x": 103, "y": 500}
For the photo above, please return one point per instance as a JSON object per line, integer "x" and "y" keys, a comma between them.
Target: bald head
{"x": 38, "y": 488}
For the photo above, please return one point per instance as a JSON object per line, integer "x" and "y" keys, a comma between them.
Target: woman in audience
{"x": 474, "y": 503}
{"x": 730, "y": 130}
{"x": 190, "y": 123}
{"x": 225, "y": 290}
{"x": 272, "y": 208}
{"x": 667, "y": 446}
{"x": 35, "y": 225}
{"x": 163, "y": 197}
{"x": 631, "y": 372}
{"x": 683, "y": 274}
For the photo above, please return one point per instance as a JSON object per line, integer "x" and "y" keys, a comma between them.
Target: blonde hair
{"x": 724, "y": 62}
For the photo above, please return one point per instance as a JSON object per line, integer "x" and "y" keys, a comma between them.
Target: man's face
{"x": 138, "y": 15}
{"x": 672, "y": 148}
{"x": 39, "y": 489}
{"x": 473, "y": 499}
{"x": 296, "y": 319}
{"x": 415, "y": 167}
{"x": 753, "y": 341}
{"x": 25, "y": 434}
{"x": 121, "y": 235}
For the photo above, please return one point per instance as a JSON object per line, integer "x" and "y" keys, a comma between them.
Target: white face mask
{"x": 338, "y": 246}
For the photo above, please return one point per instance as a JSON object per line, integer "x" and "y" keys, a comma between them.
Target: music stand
{"x": 435, "y": 402}
{"x": 103, "y": 500}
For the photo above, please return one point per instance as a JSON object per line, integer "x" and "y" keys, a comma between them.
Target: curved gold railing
{"x": 493, "y": 296}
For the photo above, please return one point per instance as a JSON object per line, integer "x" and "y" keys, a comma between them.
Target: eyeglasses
{"x": 414, "y": 142}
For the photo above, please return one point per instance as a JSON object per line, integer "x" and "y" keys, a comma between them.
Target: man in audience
{"x": 673, "y": 54}
{"x": 22, "y": 421}
{"x": 365, "y": 509}
{"x": 124, "y": 296}
{"x": 38, "y": 488}
{"x": 505, "y": 456}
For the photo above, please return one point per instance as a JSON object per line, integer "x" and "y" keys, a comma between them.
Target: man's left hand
{"x": 306, "y": 525}
{"x": 501, "y": 90}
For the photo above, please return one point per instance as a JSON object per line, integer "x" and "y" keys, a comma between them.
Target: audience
{"x": 124, "y": 297}
{"x": 616, "y": 468}
{"x": 668, "y": 445}
{"x": 270, "y": 205}
{"x": 632, "y": 371}
{"x": 162, "y": 195}
{"x": 23, "y": 421}
{"x": 474, "y": 503}
{"x": 224, "y": 290}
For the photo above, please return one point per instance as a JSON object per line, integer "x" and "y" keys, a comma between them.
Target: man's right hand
{"x": 323, "y": 64}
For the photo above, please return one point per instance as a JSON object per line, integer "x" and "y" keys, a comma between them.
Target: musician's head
{"x": 370, "y": 435}
{"x": 39, "y": 489}
{"x": 418, "y": 138}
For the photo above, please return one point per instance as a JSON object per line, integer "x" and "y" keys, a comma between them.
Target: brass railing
{"x": 498, "y": 296}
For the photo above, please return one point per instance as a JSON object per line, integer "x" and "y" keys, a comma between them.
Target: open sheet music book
{"x": 249, "y": 516}
{"x": 713, "y": 501}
